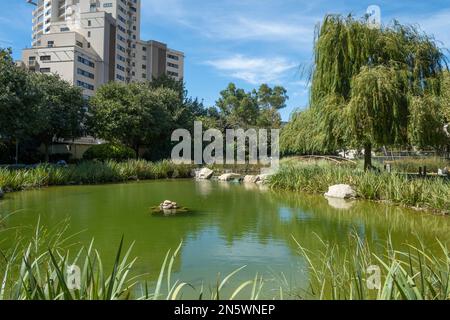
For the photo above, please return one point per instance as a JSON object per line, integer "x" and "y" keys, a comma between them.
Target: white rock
{"x": 204, "y": 174}
{"x": 229, "y": 176}
{"x": 263, "y": 178}
{"x": 341, "y": 191}
{"x": 443, "y": 172}
{"x": 251, "y": 179}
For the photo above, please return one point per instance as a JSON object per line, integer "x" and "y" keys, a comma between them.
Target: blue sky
{"x": 248, "y": 42}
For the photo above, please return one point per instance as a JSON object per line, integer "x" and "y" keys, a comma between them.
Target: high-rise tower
{"x": 91, "y": 42}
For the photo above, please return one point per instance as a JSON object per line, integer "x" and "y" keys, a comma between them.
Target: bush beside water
{"x": 109, "y": 151}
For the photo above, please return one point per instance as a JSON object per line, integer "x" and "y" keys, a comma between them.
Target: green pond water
{"x": 230, "y": 226}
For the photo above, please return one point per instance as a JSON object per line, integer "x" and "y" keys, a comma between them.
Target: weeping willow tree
{"x": 446, "y": 102}
{"x": 366, "y": 85}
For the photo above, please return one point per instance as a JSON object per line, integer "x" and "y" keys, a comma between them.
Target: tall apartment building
{"x": 92, "y": 42}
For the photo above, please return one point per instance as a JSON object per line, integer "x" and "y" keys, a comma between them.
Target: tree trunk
{"x": 47, "y": 155}
{"x": 136, "y": 149}
{"x": 367, "y": 156}
{"x": 17, "y": 151}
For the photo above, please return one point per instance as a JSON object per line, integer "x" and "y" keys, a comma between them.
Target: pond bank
{"x": 90, "y": 172}
{"x": 424, "y": 194}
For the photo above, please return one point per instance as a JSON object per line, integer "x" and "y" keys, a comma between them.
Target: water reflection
{"x": 341, "y": 204}
{"x": 233, "y": 224}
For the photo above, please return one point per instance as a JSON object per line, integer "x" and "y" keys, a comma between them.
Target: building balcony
{"x": 33, "y": 65}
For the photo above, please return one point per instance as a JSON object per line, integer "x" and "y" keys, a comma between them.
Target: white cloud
{"x": 253, "y": 70}
{"x": 221, "y": 22}
{"x": 244, "y": 28}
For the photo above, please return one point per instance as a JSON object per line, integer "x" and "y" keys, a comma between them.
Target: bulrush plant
{"x": 42, "y": 270}
{"x": 422, "y": 193}
{"x": 343, "y": 273}
{"x": 90, "y": 172}
{"x": 39, "y": 270}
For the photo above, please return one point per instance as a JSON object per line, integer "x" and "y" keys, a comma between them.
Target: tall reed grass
{"x": 41, "y": 270}
{"x": 349, "y": 273}
{"x": 431, "y": 194}
{"x": 90, "y": 172}
{"x": 411, "y": 165}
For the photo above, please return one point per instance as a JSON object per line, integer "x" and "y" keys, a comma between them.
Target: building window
{"x": 144, "y": 76}
{"x": 44, "y": 70}
{"x": 86, "y": 62}
{"x": 65, "y": 29}
{"x": 107, "y": 5}
{"x": 88, "y": 44}
{"x": 120, "y": 77}
{"x": 144, "y": 48}
{"x": 144, "y": 66}
{"x": 85, "y": 73}
{"x": 32, "y": 58}
{"x": 173, "y": 74}
{"x": 120, "y": 67}
{"x": 171, "y": 56}
{"x": 85, "y": 85}
{"x": 80, "y": 44}
{"x": 89, "y": 23}
{"x": 45, "y": 58}
{"x": 89, "y": 34}
{"x": 173, "y": 65}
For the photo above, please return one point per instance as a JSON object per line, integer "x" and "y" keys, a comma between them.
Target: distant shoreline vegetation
{"x": 432, "y": 194}
{"x": 90, "y": 172}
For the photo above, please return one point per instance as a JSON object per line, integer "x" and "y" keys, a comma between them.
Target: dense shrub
{"x": 109, "y": 151}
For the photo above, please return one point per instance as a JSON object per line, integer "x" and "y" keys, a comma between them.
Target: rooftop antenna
{"x": 31, "y": 2}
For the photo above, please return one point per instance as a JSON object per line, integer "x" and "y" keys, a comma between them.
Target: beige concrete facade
{"x": 92, "y": 42}
{"x": 154, "y": 59}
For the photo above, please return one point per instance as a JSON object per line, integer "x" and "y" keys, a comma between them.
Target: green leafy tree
{"x": 187, "y": 109}
{"x": 20, "y": 98}
{"x": 258, "y": 108}
{"x": 270, "y": 101}
{"x": 237, "y": 107}
{"x": 132, "y": 114}
{"x": 62, "y": 109}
